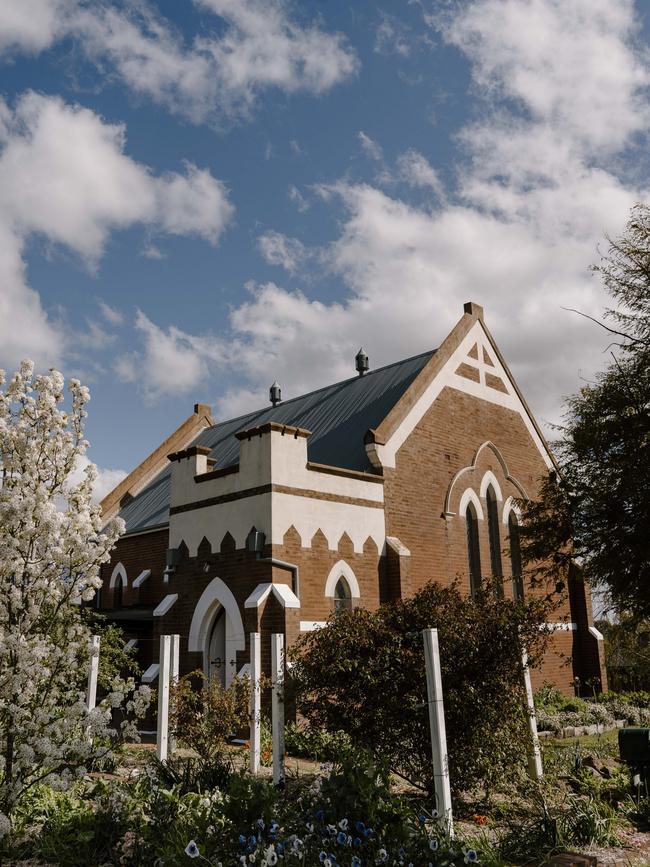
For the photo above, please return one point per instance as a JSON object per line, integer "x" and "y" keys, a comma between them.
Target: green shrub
{"x": 315, "y": 743}
{"x": 364, "y": 674}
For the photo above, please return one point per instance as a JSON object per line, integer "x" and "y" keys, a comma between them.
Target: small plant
{"x": 204, "y": 713}
{"x": 315, "y": 743}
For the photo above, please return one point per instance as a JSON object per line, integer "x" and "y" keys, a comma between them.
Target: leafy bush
{"x": 364, "y": 673}
{"x": 203, "y": 713}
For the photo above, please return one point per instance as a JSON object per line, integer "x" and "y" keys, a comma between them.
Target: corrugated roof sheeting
{"x": 338, "y": 417}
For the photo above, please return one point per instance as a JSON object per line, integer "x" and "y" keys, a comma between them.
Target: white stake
{"x": 93, "y": 670}
{"x": 438, "y": 731}
{"x": 173, "y": 675}
{"x": 277, "y": 705}
{"x": 162, "y": 736}
{"x": 256, "y": 701}
{"x": 535, "y": 767}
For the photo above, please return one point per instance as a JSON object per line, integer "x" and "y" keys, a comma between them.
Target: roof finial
{"x": 275, "y": 393}
{"x": 361, "y": 362}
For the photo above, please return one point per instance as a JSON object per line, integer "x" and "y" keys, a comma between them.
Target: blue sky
{"x": 197, "y": 198}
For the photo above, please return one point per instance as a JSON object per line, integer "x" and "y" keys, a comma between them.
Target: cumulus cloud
{"x": 32, "y": 25}
{"x": 64, "y": 176}
{"x": 171, "y": 361}
{"x": 563, "y": 93}
{"x": 255, "y": 46}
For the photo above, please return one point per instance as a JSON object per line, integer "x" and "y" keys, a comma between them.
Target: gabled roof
{"x": 338, "y": 417}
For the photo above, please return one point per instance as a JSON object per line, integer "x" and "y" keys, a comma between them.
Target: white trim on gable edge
{"x": 447, "y": 377}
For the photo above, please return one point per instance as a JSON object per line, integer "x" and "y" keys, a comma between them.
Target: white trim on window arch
{"x": 119, "y": 572}
{"x": 490, "y": 479}
{"x": 469, "y": 496}
{"x": 511, "y": 506}
{"x": 342, "y": 569}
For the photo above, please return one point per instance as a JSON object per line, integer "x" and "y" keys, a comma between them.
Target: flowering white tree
{"x": 51, "y": 547}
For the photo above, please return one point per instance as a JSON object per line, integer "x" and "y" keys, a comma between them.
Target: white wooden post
{"x": 256, "y": 701}
{"x": 173, "y": 679}
{"x": 438, "y": 731}
{"x": 93, "y": 670}
{"x": 277, "y": 705}
{"x": 535, "y": 766}
{"x": 162, "y": 735}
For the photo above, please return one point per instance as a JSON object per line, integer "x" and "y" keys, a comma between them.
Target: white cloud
{"x": 392, "y": 36}
{"x": 541, "y": 181}
{"x": 170, "y": 362}
{"x": 32, "y": 25}
{"x": 297, "y": 198}
{"x": 217, "y": 77}
{"x": 105, "y": 481}
{"x": 110, "y": 314}
{"x": 279, "y": 249}
{"x": 370, "y": 147}
{"x": 415, "y": 169}
{"x": 64, "y": 176}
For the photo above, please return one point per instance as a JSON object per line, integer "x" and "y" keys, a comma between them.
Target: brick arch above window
{"x": 489, "y": 479}
{"x": 468, "y": 476}
{"x": 508, "y": 507}
{"x": 342, "y": 569}
{"x": 470, "y": 496}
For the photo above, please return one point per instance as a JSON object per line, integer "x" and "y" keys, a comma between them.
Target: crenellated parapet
{"x": 273, "y": 487}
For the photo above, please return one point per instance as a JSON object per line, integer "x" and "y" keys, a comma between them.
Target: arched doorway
{"x": 216, "y": 651}
{"x": 217, "y": 631}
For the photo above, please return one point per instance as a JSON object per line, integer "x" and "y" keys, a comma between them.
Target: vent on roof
{"x": 275, "y": 393}
{"x": 361, "y": 362}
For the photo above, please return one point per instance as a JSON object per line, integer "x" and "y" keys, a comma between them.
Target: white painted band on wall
{"x": 597, "y": 634}
{"x": 310, "y": 625}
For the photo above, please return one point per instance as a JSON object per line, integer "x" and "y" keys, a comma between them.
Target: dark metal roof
{"x": 338, "y": 417}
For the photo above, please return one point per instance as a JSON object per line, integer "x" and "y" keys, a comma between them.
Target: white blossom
{"x": 52, "y": 545}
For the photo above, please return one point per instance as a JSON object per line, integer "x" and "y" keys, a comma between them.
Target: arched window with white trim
{"x": 515, "y": 556}
{"x": 494, "y": 536}
{"x": 342, "y": 587}
{"x": 473, "y": 549}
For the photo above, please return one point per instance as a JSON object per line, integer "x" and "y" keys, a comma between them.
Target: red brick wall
{"x": 444, "y": 442}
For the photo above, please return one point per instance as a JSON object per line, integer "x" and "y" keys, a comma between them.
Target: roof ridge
{"x": 323, "y": 388}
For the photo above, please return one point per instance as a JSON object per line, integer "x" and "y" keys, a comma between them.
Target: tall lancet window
{"x": 473, "y": 549}
{"x": 118, "y": 593}
{"x": 515, "y": 557}
{"x": 495, "y": 541}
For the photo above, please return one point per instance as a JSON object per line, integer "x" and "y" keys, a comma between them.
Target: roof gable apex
{"x": 469, "y": 361}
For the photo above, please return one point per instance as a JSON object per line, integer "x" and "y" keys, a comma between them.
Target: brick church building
{"x": 355, "y": 494}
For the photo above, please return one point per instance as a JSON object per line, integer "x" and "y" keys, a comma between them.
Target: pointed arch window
{"x": 473, "y": 549}
{"x": 495, "y": 539}
{"x": 515, "y": 557}
{"x": 342, "y": 595}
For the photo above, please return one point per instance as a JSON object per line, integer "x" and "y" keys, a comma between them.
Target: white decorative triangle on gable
{"x": 480, "y": 365}
{"x": 473, "y": 368}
